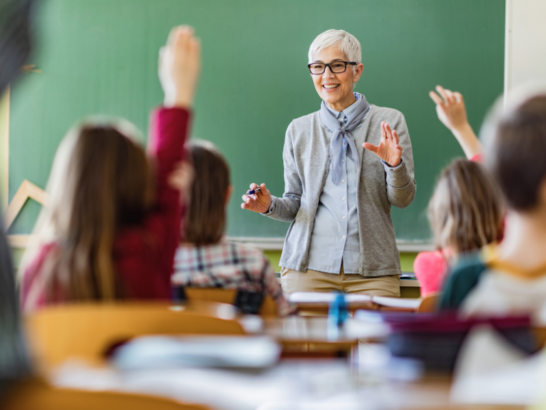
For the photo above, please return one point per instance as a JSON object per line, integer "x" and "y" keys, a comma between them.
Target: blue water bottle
{"x": 337, "y": 314}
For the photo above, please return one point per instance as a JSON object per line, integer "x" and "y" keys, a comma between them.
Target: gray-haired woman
{"x": 338, "y": 195}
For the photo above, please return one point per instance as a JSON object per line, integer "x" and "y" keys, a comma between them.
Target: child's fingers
{"x": 459, "y": 97}
{"x": 442, "y": 92}
{"x": 195, "y": 48}
{"x": 436, "y": 98}
{"x": 173, "y": 35}
{"x": 451, "y": 97}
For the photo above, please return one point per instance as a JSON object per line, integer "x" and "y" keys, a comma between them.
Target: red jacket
{"x": 143, "y": 255}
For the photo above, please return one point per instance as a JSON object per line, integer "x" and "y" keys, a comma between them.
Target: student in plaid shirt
{"x": 206, "y": 258}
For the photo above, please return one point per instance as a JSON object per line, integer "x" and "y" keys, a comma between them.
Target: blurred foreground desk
{"x": 292, "y": 384}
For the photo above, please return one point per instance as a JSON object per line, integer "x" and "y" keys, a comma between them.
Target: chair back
{"x": 268, "y": 308}
{"x": 89, "y": 331}
{"x": 429, "y": 303}
{"x": 38, "y": 395}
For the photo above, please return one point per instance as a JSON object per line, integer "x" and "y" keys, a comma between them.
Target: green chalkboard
{"x": 99, "y": 56}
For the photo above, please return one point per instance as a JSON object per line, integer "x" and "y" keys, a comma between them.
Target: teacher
{"x": 344, "y": 166}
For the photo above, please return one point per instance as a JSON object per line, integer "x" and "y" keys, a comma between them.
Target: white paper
{"x": 403, "y": 303}
{"x": 253, "y": 352}
{"x": 326, "y": 298}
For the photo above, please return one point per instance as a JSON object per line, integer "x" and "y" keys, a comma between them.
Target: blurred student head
{"x": 15, "y": 38}
{"x": 15, "y": 46}
{"x": 465, "y": 211}
{"x": 210, "y": 194}
{"x": 100, "y": 183}
{"x": 516, "y": 150}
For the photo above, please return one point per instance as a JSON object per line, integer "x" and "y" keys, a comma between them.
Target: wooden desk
{"x": 321, "y": 384}
{"x": 309, "y": 336}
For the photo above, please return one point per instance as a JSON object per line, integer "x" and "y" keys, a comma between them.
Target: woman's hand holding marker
{"x": 257, "y": 199}
{"x": 388, "y": 149}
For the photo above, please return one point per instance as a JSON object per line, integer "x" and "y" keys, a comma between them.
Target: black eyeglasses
{"x": 336, "y": 67}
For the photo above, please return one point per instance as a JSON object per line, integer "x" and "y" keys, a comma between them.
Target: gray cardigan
{"x": 306, "y": 161}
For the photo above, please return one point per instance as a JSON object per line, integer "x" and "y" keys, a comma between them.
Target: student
{"x": 465, "y": 214}
{"x": 451, "y": 239}
{"x": 206, "y": 258}
{"x": 102, "y": 236}
{"x": 510, "y": 278}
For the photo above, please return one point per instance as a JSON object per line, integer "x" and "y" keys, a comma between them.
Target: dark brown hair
{"x": 207, "y": 213}
{"x": 465, "y": 211}
{"x": 517, "y": 155}
{"x": 99, "y": 184}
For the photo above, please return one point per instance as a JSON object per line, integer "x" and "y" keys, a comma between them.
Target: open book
{"x": 319, "y": 298}
{"x": 401, "y": 303}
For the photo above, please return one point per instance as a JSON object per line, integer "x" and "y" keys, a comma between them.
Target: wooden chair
{"x": 88, "y": 331}
{"x": 37, "y": 395}
{"x": 429, "y": 304}
{"x": 269, "y": 306}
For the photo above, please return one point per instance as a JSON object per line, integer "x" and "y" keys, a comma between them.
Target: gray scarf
{"x": 336, "y": 143}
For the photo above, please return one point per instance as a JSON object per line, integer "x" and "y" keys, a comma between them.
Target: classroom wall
{"x": 525, "y": 42}
{"x": 408, "y": 47}
{"x": 525, "y": 60}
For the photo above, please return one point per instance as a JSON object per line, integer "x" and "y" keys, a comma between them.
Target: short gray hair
{"x": 346, "y": 42}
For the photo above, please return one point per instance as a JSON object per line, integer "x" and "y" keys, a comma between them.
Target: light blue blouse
{"x": 335, "y": 237}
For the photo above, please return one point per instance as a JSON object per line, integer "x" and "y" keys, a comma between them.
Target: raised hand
{"x": 179, "y": 67}
{"x": 259, "y": 201}
{"x": 450, "y": 108}
{"x": 452, "y": 113}
{"x": 388, "y": 149}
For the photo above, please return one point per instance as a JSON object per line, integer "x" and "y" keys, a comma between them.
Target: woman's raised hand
{"x": 179, "y": 67}
{"x": 388, "y": 149}
{"x": 259, "y": 201}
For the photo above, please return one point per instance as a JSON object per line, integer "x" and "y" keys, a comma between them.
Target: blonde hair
{"x": 100, "y": 182}
{"x": 465, "y": 211}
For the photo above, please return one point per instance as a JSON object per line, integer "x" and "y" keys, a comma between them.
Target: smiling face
{"x": 336, "y": 89}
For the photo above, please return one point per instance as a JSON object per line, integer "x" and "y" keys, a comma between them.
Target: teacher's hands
{"x": 258, "y": 202}
{"x": 388, "y": 149}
